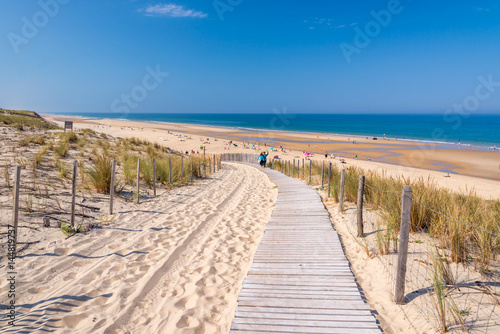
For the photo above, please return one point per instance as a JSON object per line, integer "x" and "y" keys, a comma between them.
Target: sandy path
{"x": 174, "y": 264}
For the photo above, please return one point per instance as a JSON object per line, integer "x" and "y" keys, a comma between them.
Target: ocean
{"x": 477, "y": 130}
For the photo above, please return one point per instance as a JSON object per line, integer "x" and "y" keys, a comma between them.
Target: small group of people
{"x": 263, "y": 158}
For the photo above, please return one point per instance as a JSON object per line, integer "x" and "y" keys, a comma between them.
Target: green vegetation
{"x": 62, "y": 168}
{"x": 24, "y": 118}
{"x": 68, "y": 137}
{"x": 51, "y": 167}
{"x": 100, "y": 173}
{"x": 40, "y": 154}
{"x": 62, "y": 149}
{"x": 68, "y": 230}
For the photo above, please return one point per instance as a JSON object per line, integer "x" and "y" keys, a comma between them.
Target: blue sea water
{"x": 478, "y": 130}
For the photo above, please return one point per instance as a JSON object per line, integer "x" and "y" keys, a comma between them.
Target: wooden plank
{"x": 301, "y": 316}
{"x": 300, "y": 265}
{"x": 297, "y": 287}
{"x": 331, "y": 331}
{"x": 306, "y": 280}
{"x": 307, "y": 323}
{"x": 303, "y": 303}
{"x": 315, "y": 295}
{"x": 278, "y": 311}
{"x": 237, "y": 328}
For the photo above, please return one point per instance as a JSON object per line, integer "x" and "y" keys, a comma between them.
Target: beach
{"x": 175, "y": 263}
{"x": 468, "y": 169}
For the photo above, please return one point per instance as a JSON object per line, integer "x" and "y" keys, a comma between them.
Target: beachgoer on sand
{"x": 263, "y": 159}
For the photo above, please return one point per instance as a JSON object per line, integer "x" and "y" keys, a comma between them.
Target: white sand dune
{"x": 174, "y": 264}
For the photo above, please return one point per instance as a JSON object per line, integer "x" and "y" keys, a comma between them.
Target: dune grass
{"x": 466, "y": 224}
{"x": 100, "y": 173}
{"x": 24, "y": 118}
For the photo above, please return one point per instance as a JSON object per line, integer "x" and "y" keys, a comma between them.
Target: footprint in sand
{"x": 109, "y": 281}
{"x": 89, "y": 278}
{"x": 187, "y": 322}
{"x": 132, "y": 279}
{"x": 153, "y": 256}
{"x": 236, "y": 249}
{"x": 188, "y": 302}
{"x": 220, "y": 268}
{"x": 61, "y": 251}
{"x": 202, "y": 270}
{"x": 71, "y": 321}
{"x": 38, "y": 290}
{"x": 209, "y": 291}
{"x": 118, "y": 267}
{"x": 70, "y": 276}
{"x": 209, "y": 281}
{"x": 79, "y": 264}
{"x": 140, "y": 258}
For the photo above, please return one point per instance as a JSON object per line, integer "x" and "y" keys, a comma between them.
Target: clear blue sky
{"x": 86, "y": 55}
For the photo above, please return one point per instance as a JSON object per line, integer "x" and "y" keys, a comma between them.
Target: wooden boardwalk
{"x": 300, "y": 280}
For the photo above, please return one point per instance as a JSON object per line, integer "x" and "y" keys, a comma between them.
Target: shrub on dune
{"x": 100, "y": 173}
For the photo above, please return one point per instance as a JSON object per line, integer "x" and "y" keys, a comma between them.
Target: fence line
{"x": 32, "y": 192}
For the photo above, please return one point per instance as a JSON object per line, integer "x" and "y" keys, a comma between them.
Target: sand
{"x": 173, "y": 264}
{"x": 469, "y": 170}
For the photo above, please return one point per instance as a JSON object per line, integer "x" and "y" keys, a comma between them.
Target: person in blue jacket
{"x": 263, "y": 159}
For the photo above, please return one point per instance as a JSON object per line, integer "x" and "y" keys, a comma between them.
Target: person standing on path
{"x": 263, "y": 159}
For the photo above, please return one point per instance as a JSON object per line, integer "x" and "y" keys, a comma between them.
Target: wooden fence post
{"x": 182, "y": 168}
{"x": 154, "y": 177}
{"x": 310, "y": 171}
{"x": 361, "y": 188}
{"x": 341, "y": 193}
{"x": 404, "y": 236}
{"x": 204, "y": 168}
{"x": 15, "y": 214}
{"x": 112, "y": 187}
{"x": 138, "y": 177}
{"x": 191, "y": 170}
{"x": 169, "y": 171}
{"x": 73, "y": 194}
{"x": 329, "y": 179}
{"x": 323, "y": 174}
{"x": 303, "y": 169}
{"x": 293, "y": 168}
